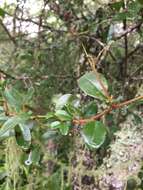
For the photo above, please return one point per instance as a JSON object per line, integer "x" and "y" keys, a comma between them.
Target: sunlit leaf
{"x": 14, "y": 98}
{"x": 55, "y": 124}
{"x": 20, "y": 138}
{"x": 64, "y": 128}
{"x": 2, "y": 12}
{"x": 90, "y": 109}
{"x": 11, "y": 123}
{"x": 49, "y": 115}
{"x": 25, "y": 131}
{"x": 62, "y": 101}
{"x": 90, "y": 84}
{"x": 63, "y": 115}
{"x": 94, "y": 134}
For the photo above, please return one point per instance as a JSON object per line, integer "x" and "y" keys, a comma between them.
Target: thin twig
{"x": 7, "y": 32}
{"x": 93, "y": 63}
{"x": 7, "y": 74}
{"x": 46, "y": 26}
{"x": 83, "y": 121}
{"x": 129, "y": 30}
{"x": 126, "y": 46}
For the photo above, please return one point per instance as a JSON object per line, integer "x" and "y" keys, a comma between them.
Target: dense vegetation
{"x": 71, "y": 95}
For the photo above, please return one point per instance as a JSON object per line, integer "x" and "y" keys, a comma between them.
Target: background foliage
{"x": 71, "y": 95}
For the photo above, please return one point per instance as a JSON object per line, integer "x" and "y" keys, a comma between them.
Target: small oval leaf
{"x": 64, "y": 129}
{"x": 89, "y": 84}
{"x": 91, "y": 109}
{"x": 63, "y": 115}
{"x": 62, "y": 101}
{"x": 94, "y": 134}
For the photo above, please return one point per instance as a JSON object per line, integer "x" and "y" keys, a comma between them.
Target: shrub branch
{"x": 113, "y": 106}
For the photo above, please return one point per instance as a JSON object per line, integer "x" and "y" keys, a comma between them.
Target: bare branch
{"x": 8, "y": 33}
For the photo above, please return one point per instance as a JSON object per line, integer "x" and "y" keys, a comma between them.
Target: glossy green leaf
{"x": 14, "y": 98}
{"x": 63, "y": 115}
{"x": 49, "y": 115}
{"x": 94, "y": 134}
{"x": 73, "y": 110}
{"x": 10, "y": 133}
{"x": 25, "y": 131}
{"x": 62, "y": 101}
{"x": 55, "y": 124}
{"x": 64, "y": 128}
{"x": 20, "y": 138}
{"x": 11, "y": 123}
{"x": 90, "y": 109}
{"x": 89, "y": 84}
{"x": 2, "y": 12}
{"x": 3, "y": 117}
{"x": 117, "y": 5}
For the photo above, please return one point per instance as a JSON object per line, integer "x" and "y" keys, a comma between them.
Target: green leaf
{"x": 28, "y": 96}
{"x": 137, "y": 119}
{"x": 91, "y": 86}
{"x": 90, "y": 109}
{"x": 3, "y": 173}
{"x": 2, "y": 13}
{"x": 62, "y": 101}
{"x": 117, "y": 5}
{"x": 63, "y": 115}
{"x": 94, "y": 134}
{"x": 54, "y": 181}
{"x": 135, "y": 104}
{"x": 55, "y": 124}
{"x": 11, "y": 123}
{"x": 140, "y": 1}
{"x": 35, "y": 157}
{"x": 20, "y": 138}
{"x": 49, "y": 115}
{"x": 14, "y": 98}
{"x": 10, "y": 133}
{"x": 26, "y": 56}
{"x": 72, "y": 110}
{"x": 64, "y": 128}
{"x": 3, "y": 117}
{"x": 121, "y": 16}
{"x": 25, "y": 131}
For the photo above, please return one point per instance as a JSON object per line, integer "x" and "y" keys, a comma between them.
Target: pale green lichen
{"x": 125, "y": 157}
